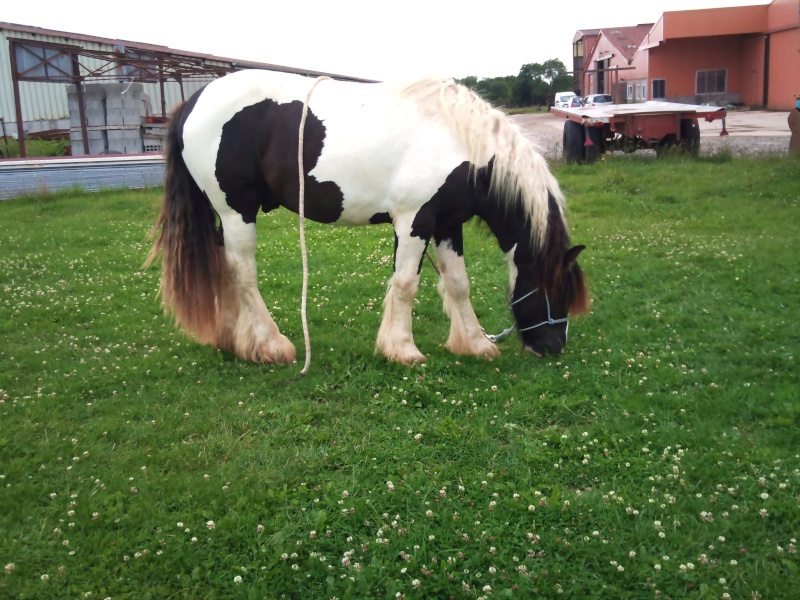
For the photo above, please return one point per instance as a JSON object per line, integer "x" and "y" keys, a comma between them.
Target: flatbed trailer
{"x": 591, "y": 131}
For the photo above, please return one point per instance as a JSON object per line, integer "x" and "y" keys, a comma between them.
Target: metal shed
{"x": 37, "y": 66}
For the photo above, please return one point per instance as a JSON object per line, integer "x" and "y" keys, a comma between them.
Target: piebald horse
{"x": 425, "y": 157}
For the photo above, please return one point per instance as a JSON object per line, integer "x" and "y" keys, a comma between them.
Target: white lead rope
{"x": 301, "y": 211}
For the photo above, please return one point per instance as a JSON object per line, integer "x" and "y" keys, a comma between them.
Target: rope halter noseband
{"x": 550, "y": 320}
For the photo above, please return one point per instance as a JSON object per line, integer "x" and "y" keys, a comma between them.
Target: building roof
{"x": 627, "y": 39}
{"x": 582, "y": 33}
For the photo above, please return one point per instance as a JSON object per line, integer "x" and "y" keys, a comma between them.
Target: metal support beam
{"x": 17, "y": 104}
{"x": 76, "y": 69}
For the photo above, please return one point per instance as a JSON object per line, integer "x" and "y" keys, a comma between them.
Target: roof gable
{"x": 626, "y": 40}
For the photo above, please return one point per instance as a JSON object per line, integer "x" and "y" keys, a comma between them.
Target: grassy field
{"x": 659, "y": 457}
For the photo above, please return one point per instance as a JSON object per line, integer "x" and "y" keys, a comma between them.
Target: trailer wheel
{"x": 593, "y": 151}
{"x": 667, "y": 145}
{"x": 573, "y": 142}
{"x": 690, "y": 137}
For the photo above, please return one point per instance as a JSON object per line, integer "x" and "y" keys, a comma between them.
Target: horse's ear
{"x": 572, "y": 255}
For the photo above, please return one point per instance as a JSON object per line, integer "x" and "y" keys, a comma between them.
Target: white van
{"x": 564, "y": 99}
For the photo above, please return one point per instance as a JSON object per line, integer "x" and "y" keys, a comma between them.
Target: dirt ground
{"x": 749, "y": 132}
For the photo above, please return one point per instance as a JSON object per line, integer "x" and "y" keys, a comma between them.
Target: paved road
{"x": 750, "y": 123}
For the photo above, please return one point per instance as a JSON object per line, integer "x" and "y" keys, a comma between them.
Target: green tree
{"x": 495, "y": 90}
{"x": 536, "y": 83}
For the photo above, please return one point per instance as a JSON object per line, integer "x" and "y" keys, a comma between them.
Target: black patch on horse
{"x": 453, "y": 204}
{"x": 380, "y": 218}
{"x": 256, "y": 163}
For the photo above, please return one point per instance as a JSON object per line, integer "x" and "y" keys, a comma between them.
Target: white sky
{"x": 362, "y": 38}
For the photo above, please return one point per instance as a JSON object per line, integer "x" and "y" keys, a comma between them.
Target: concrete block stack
{"x": 115, "y": 118}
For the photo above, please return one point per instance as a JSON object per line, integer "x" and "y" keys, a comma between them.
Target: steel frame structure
{"x": 50, "y": 62}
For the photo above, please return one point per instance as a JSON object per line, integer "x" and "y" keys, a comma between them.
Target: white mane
{"x": 519, "y": 172}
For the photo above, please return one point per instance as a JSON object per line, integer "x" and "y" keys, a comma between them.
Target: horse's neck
{"x": 508, "y": 224}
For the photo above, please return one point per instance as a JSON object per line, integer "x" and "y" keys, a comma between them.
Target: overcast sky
{"x": 364, "y": 38}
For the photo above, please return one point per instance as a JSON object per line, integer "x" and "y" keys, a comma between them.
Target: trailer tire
{"x": 667, "y": 145}
{"x": 572, "y": 142}
{"x": 594, "y": 151}
{"x": 690, "y": 137}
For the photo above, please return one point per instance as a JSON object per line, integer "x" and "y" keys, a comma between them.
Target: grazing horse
{"x": 425, "y": 157}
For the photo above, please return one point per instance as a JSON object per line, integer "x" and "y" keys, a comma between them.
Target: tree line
{"x": 535, "y": 85}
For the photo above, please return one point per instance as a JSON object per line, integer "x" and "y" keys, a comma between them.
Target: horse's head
{"x": 544, "y": 297}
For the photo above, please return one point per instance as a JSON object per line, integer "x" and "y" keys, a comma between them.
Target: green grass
{"x": 658, "y": 457}
{"x": 9, "y": 147}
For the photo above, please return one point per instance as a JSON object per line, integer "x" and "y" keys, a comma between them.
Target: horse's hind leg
{"x": 395, "y": 339}
{"x": 466, "y": 335}
{"x": 247, "y": 329}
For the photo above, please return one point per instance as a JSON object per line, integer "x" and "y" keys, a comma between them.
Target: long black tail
{"x": 194, "y": 273}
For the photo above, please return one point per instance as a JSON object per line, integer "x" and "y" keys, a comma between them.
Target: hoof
{"x": 411, "y": 359}
{"x": 407, "y": 356}
{"x": 276, "y": 350}
{"x": 482, "y": 349}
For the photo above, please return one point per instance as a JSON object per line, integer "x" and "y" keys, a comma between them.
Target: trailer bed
{"x": 606, "y": 113}
{"x": 592, "y": 130}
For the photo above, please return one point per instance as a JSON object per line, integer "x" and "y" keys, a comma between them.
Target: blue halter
{"x": 550, "y": 320}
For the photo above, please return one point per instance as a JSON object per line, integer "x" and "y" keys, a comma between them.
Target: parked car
{"x": 595, "y": 99}
{"x": 575, "y": 102}
{"x": 564, "y": 99}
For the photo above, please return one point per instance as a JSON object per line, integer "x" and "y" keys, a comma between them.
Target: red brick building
{"x": 742, "y": 55}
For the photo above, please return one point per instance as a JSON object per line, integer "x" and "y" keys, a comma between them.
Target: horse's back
{"x": 370, "y": 149}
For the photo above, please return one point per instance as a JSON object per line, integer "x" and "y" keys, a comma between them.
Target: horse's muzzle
{"x": 540, "y": 352}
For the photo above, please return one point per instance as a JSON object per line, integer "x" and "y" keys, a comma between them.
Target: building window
{"x": 712, "y": 82}
{"x": 577, "y": 49}
{"x": 659, "y": 88}
{"x": 630, "y": 92}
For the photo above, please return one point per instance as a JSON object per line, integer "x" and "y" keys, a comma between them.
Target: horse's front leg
{"x": 466, "y": 335}
{"x": 395, "y": 339}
